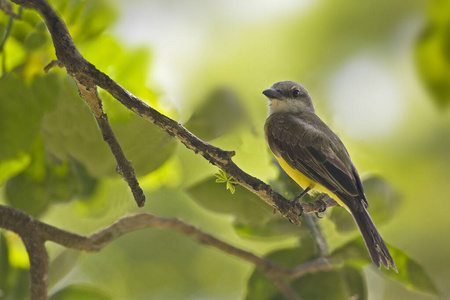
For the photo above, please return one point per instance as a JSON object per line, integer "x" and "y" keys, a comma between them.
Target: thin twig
{"x": 52, "y": 64}
{"x": 12, "y": 16}
{"x": 283, "y": 286}
{"x": 88, "y": 77}
{"x": 124, "y": 166}
{"x": 8, "y": 10}
{"x": 85, "y": 74}
{"x": 316, "y": 232}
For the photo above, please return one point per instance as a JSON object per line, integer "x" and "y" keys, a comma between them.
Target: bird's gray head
{"x": 288, "y": 97}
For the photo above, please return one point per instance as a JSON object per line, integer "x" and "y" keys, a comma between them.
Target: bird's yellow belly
{"x": 305, "y": 181}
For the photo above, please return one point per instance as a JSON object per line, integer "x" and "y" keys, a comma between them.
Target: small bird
{"x": 314, "y": 157}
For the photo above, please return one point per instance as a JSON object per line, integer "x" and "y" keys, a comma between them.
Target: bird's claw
{"x": 301, "y": 210}
{"x": 322, "y": 205}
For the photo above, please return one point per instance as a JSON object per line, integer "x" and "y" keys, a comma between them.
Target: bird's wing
{"x": 316, "y": 152}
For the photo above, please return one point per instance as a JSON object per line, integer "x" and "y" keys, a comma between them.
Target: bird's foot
{"x": 322, "y": 206}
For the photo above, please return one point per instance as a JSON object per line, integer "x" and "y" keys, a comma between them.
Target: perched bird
{"x": 314, "y": 156}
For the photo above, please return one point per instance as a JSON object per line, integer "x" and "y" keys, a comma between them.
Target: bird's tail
{"x": 374, "y": 243}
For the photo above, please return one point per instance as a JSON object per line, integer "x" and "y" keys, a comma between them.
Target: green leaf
{"x": 244, "y": 205}
{"x": 36, "y": 39}
{"x": 259, "y": 287}
{"x": 4, "y": 262}
{"x": 383, "y": 204}
{"x": 14, "y": 55}
{"x": 433, "y": 52}
{"x": 62, "y": 265}
{"x": 222, "y": 177}
{"x": 277, "y": 226}
{"x": 20, "y": 285}
{"x": 231, "y": 187}
{"x": 354, "y": 254}
{"x": 147, "y": 146}
{"x": 31, "y": 17}
{"x": 342, "y": 283}
{"x": 22, "y": 108}
{"x": 289, "y": 258}
{"x": 71, "y": 131}
{"x": 27, "y": 194}
{"x": 12, "y": 167}
{"x": 410, "y": 272}
{"x": 79, "y": 291}
{"x": 46, "y": 180}
{"x": 338, "y": 284}
{"x": 220, "y": 113}
{"x": 86, "y": 19}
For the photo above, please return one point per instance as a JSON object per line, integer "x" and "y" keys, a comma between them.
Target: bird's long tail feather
{"x": 372, "y": 238}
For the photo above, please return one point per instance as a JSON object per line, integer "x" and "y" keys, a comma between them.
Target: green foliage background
{"x": 55, "y": 165}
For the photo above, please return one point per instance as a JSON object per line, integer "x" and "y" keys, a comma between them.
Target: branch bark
{"x": 35, "y": 233}
{"x": 87, "y": 77}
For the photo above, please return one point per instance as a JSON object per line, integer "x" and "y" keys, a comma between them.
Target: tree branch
{"x": 124, "y": 166}
{"x": 87, "y": 75}
{"x": 35, "y": 233}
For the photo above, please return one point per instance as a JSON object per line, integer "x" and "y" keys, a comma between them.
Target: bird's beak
{"x": 272, "y": 94}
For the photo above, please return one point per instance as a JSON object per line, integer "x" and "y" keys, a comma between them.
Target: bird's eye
{"x": 295, "y": 93}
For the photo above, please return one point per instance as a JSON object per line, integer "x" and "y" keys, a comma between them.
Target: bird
{"x": 317, "y": 160}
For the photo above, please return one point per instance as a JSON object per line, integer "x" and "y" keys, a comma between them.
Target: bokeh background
{"x": 378, "y": 73}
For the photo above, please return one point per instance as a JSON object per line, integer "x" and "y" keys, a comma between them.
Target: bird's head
{"x": 288, "y": 97}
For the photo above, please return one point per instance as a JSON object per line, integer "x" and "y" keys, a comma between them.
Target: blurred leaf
{"x": 289, "y": 258}
{"x": 65, "y": 180}
{"x": 28, "y": 190}
{"x": 79, "y": 291}
{"x": 27, "y": 194}
{"x": 345, "y": 283}
{"x": 20, "y": 283}
{"x": 219, "y": 114}
{"x": 70, "y": 130}
{"x": 342, "y": 283}
{"x": 14, "y": 54}
{"x": 86, "y": 183}
{"x": 433, "y": 52}
{"x": 277, "y": 226}
{"x": 62, "y": 265}
{"x": 4, "y": 263}
{"x": 145, "y": 145}
{"x": 22, "y": 108}
{"x": 85, "y": 19}
{"x": 410, "y": 273}
{"x": 129, "y": 66}
{"x": 45, "y": 181}
{"x": 259, "y": 287}
{"x": 20, "y": 29}
{"x": 383, "y": 203}
{"x": 12, "y": 167}
{"x": 36, "y": 39}
{"x": 31, "y": 17}
{"x": 353, "y": 253}
{"x": 244, "y": 205}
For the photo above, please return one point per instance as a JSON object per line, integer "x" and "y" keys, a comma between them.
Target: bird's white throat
{"x": 287, "y": 106}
